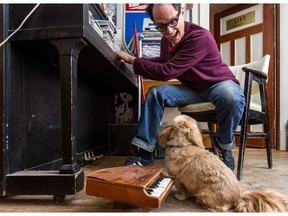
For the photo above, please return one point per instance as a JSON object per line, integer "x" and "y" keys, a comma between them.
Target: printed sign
{"x": 240, "y": 20}
{"x": 135, "y": 7}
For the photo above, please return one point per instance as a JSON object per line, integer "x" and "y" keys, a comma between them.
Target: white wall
{"x": 200, "y": 14}
{"x": 283, "y": 75}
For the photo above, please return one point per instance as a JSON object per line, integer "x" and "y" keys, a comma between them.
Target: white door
{"x": 244, "y": 33}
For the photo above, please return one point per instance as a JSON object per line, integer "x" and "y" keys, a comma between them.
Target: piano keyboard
{"x": 158, "y": 187}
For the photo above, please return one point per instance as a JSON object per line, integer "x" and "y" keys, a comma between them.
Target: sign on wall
{"x": 134, "y": 13}
{"x": 241, "y": 20}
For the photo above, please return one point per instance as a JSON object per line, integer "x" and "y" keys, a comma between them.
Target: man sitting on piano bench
{"x": 190, "y": 54}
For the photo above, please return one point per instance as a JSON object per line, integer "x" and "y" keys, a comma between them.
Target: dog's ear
{"x": 164, "y": 134}
{"x": 188, "y": 126}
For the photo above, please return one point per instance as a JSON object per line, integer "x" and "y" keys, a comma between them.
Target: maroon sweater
{"x": 195, "y": 61}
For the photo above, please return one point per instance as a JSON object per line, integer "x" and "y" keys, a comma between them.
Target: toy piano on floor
{"x": 143, "y": 186}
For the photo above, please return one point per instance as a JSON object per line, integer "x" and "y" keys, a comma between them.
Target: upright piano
{"x": 58, "y": 84}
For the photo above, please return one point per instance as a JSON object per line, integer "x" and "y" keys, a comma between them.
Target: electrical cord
{"x": 20, "y": 25}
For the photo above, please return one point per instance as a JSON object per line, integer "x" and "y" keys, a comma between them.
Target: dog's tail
{"x": 262, "y": 201}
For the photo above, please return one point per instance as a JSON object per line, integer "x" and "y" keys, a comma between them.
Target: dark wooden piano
{"x": 58, "y": 84}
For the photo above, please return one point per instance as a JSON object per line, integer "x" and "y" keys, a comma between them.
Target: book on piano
{"x": 143, "y": 186}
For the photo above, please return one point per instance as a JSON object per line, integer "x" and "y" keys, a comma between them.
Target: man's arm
{"x": 125, "y": 57}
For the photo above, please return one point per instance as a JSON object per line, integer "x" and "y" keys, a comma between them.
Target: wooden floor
{"x": 256, "y": 175}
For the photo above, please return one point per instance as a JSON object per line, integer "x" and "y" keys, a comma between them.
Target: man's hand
{"x": 125, "y": 57}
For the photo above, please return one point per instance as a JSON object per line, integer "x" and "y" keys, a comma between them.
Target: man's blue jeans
{"x": 227, "y": 96}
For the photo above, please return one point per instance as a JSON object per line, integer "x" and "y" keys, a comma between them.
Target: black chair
{"x": 253, "y": 78}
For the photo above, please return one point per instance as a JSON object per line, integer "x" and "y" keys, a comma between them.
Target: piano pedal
{"x": 90, "y": 157}
{"x": 99, "y": 156}
{"x": 86, "y": 159}
{"x": 94, "y": 157}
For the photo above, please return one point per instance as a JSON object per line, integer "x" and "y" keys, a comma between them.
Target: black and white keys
{"x": 158, "y": 187}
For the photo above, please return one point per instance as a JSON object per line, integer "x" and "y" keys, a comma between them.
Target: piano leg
{"x": 146, "y": 209}
{"x": 59, "y": 199}
{"x": 115, "y": 204}
{"x": 69, "y": 50}
{"x": 69, "y": 179}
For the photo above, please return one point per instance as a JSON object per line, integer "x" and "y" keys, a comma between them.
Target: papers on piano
{"x": 94, "y": 24}
{"x": 106, "y": 29}
{"x": 144, "y": 186}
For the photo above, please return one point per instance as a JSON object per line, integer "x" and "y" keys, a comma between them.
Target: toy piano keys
{"x": 143, "y": 186}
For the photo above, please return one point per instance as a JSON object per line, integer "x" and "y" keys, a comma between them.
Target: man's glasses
{"x": 172, "y": 23}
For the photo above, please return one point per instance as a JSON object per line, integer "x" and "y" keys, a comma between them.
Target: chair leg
{"x": 268, "y": 145}
{"x": 243, "y": 136}
{"x": 269, "y": 152}
{"x": 264, "y": 102}
{"x": 212, "y": 134}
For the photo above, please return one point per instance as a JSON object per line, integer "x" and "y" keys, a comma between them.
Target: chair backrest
{"x": 261, "y": 64}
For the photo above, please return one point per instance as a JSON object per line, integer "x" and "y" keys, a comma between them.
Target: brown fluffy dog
{"x": 202, "y": 174}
